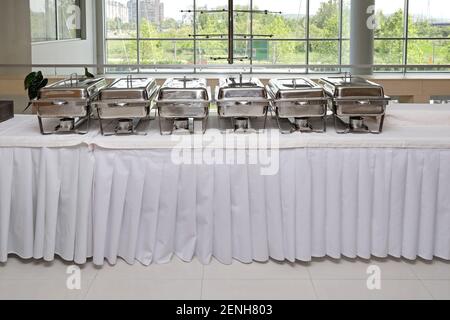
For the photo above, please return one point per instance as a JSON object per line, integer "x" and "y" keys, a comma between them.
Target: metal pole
{"x": 230, "y": 32}
{"x": 361, "y": 37}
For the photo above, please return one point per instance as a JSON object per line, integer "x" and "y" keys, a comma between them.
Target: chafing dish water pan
{"x": 125, "y": 103}
{"x": 183, "y": 106}
{"x": 297, "y": 102}
{"x": 241, "y": 100}
{"x": 356, "y": 103}
{"x": 69, "y": 101}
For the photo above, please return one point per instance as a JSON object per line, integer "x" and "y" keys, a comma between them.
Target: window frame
{"x": 56, "y": 27}
{"x": 307, "y": 68}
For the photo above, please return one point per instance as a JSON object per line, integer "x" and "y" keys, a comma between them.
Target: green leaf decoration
{"x": 29, "y": 79}
{"x": 87, "y": 74}
{"x": 34, "y": 82}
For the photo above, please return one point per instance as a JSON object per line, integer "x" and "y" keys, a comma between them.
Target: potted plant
{"x": 33, "y": 83}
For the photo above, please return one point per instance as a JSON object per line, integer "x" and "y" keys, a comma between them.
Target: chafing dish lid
{"x": 81, "y": 88}
{"x": 341, "y": 87}
{"x": 125, "y": 89}
{"x": 134, "y": 83}
{"x": 232, "y": 82}
{"x": 184, "y": 83}
{"x": 295, "y": 87}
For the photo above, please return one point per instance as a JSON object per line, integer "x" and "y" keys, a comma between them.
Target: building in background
{"x": 117, "y": 10}
{"x": 151, "y": 10}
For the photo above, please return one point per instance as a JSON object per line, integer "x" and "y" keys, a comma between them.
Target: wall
{"x": 15, "y": 38}
{"x": 70, "y": 51}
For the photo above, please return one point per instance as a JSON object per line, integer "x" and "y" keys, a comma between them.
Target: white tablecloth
{"x": 352, "y": 195}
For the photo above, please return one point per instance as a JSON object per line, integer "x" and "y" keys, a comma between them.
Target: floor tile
{"x": 268, "y": 270}
{"x": 439, "y": 289}
{"x": 41, "y": 289}
{"x": 434, "y": 270}
{"x": 176, "y": 269}
{"x": 258, "y": 290}
{"x": 144, "y": 289}
{"x": 358, "y": 269}
{"x": 357, "y": 290}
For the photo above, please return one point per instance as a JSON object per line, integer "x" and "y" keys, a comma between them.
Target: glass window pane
{"x": 429, "y": 18}
{"x": 430, "y": 52}
{"x": 166, "y": 52}
{"x": 120, "y": 16}
{"x": 324, "y": 52}
{"x": 43, "y": 20}
{"x": 279, "y": 52}
{"x": 69, "y": 19}
{"x": 121, "y": 52}
{"x": 389, "y": 18}
{"x": 346, "y": 11}
{"x": 388, "y": 52}
{"x": 212, "y": 23}
{"x": 165, "y": 19}
{"x": 212, "y": 51}
{"x": 289, "y": 24}
{"x": 324, "y": 19}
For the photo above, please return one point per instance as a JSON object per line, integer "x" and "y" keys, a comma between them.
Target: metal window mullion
{"x": 406, "y": 35}
{"x": 138, "y": 38}
{"x": 307, "y": 36}
{"x": 251, "y": 35}
{"x": 195, "y": 33}
{"x": 56, "y": 20}
{"x": 341, "y": 10}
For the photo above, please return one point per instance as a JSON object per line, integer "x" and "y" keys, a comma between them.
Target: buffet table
{"x": 243, "y": 197}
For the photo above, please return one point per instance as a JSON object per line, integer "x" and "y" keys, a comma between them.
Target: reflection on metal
{"x": 69, "y": 102}
{"x": 126, "y": 104}
{"x": 358, "y": 105}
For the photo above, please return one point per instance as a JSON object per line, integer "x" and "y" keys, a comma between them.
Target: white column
{"x": 361, "y": 36}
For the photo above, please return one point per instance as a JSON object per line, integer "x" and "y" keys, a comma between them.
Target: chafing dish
{"x": 69, "y": 101}
{"x": 358, "y": 105}
{"x": 183, "y": 106}
{"x": 242, "y": 100}
{"x": 298, "y": 102}
{"x": 125, "y": 103}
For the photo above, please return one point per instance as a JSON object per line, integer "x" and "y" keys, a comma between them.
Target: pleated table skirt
{"x": 140, "y": 205}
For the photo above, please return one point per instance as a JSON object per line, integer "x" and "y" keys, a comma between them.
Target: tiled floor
{"x": 320, "y": 279}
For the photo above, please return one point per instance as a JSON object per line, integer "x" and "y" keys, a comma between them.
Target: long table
{"x": 244, "y": 197}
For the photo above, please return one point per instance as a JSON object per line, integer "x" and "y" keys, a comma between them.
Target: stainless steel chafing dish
{"x": 242, "y": 100}
{"x": 125, "y": 103}
{"x": 298, "y": 102}
{"x": 69, "y": 101}
{"x": 358, "y": 105}
{"x": 183, "y": 106}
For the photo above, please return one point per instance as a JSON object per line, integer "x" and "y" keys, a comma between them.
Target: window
{"x": 192, "y": 35}
{"x": 56, "y": 19}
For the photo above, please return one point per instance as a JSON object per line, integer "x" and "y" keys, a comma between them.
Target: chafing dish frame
{"x": 80, "y": 107}
{"x": 278, "y": 105}
{"x": 338, "y": 106}
{"x": 258, "y": 107}
{"x": 191, "y": 119}
{"x": 138, "y": 105}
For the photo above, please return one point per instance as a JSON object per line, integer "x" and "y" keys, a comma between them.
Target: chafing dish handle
{"x": 301, "y": 103}
{"x": 243, "y": 103}
{"x": 363, "y": 102}
{"x": 59, "y": 103}
{"x": 121, "y": 104}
